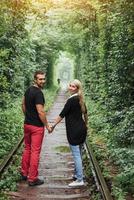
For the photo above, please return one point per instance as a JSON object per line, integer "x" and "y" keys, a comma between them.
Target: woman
{"x": 76, "y": 127}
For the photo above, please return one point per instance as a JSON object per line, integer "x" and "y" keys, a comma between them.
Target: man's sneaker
{"x": 76, "y": 183}
{"x": 36, "y": 182}
{"x": 23, "y": 178}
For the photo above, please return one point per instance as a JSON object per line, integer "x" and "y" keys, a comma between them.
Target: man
{"x": 58, "y": 80}
{"x": 35, "y": 120}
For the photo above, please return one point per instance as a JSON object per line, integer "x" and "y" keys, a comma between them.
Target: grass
{"x": 62, "y": 149}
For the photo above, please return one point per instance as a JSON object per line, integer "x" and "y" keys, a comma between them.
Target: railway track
{"x": 56, "y": 166}
{"x": 99, "y": 179}
{"x": 7, "y": 160}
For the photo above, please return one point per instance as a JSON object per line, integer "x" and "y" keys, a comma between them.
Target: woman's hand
{"x": 51, "y": 128}
{"x": 48, "y": 127}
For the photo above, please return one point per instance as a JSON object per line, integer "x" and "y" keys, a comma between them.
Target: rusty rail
{"x": 99, "y": 179}
{"x": 6, "y": 161}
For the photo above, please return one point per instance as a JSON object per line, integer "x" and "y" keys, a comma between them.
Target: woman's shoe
{"x": 76, "y": 183}
{"x": 74, "y": 177}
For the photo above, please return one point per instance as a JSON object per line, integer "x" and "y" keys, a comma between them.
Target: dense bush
{"x": 21, "y": 51}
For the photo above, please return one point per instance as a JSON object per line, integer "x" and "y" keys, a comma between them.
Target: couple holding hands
{"x": 75, "y": 114}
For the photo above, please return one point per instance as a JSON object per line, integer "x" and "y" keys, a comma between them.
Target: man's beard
{"x": 41, "y": 86}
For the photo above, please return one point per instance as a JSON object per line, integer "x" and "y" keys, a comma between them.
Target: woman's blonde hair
{"x": 78, "y": 84}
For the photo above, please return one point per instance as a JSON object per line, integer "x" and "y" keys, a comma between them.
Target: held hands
{"x": 56, "y": 121}
{"x": 50, "y": 128}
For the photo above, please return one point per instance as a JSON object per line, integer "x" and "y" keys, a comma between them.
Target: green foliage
{"x": 118, "y": 193}
{"x": 50, "y": 92}
{"x": 3, "y": 196}
{"x": 62, "y": 149}
{"x": 124, "y": 135}
{"x": 11, "y": 127}
{"x": 10, "y": 177}
{"x": 126, "y": 180}
{"x": 14, "y": 15}
{"x": 21, "y": 53}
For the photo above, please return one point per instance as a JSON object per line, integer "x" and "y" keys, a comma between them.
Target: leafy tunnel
{"x": 91, "y": 40}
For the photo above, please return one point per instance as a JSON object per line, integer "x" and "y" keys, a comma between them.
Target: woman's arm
{"x": 63, "y": 113}
{"x": 57, "y": 120}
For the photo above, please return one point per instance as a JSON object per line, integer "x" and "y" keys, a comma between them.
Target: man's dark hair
{"x": 38, "y": 72}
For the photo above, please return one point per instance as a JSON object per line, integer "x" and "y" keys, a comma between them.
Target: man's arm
{"x": 23, "y": 105}
{"x": 42, "y": 115}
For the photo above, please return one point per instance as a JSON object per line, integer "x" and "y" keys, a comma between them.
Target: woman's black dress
{"x": 75, "y": 125}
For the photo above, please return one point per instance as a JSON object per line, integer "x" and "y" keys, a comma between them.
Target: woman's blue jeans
{"x": 77, "y": 161}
